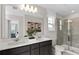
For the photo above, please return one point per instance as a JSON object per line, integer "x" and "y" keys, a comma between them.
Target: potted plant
{"x": 31, "y": 33}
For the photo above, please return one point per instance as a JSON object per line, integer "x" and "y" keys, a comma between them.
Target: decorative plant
{"x": 30, "y": 33}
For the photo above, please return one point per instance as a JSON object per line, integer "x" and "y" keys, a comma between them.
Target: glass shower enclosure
{"x": 71, "y": 32}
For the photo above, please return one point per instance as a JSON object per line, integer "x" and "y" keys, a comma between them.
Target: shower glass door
{"x": 71, "y": 32}
{"x": 67, "y": 32}
{"x": 75, "y": 32}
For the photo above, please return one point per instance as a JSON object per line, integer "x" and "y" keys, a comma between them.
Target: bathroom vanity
{"x": 38, "y": 47}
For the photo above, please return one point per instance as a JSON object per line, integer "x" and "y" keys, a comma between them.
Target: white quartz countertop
{"x": 12, "y": 44}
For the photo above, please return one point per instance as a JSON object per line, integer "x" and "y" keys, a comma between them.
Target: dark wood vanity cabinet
{"x": 41, "y": 48}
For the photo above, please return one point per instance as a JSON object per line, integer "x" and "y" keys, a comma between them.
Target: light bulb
{"x": 35, "y": 10}
{"x": 22, "y": 7}
{"x": 73, "y": 11}
{"x": 31, "y": 9}
{"x": 27, "y": 8}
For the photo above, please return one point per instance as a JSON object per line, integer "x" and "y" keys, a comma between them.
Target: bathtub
{"x": 66, "y": 50}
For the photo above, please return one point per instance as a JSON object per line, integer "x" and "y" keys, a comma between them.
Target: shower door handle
{"x": 68, "y": 38}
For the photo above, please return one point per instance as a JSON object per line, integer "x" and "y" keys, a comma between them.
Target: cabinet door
{"x": 44, "y": 50}
{"x": 50, "y": 49}
{"x": 35, "y": 51}
{"x": 53, "y": 50}
{"x": 19, "y": 50}
{"x": 4, "y": 52}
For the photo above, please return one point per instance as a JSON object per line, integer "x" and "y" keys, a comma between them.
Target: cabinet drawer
{"x": 34, "y": 46}
{"x": 45, "y": 43}
{"x": 19, "y": 50}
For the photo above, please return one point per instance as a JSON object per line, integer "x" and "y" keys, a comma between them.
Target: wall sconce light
{"x": 60, "y": 26}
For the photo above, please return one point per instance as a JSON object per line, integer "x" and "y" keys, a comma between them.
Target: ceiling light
{"x": 73, "y": 11}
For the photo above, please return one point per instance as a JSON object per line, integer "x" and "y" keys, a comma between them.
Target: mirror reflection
{"x": 13, "y": 27}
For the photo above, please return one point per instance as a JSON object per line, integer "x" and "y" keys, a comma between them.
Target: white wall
{"x": 0, "y": 21}
{"x": 73, "y": 16}
{"x": 51, "y": 34}
{"x": 3, "y": 22}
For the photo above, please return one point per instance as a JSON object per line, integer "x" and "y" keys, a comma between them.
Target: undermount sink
{"x": 15, "y": 42}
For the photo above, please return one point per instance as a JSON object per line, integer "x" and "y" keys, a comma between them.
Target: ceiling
{"x": 62, "y": 9}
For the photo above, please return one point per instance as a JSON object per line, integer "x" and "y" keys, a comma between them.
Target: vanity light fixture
{"x": 29, "y": 8}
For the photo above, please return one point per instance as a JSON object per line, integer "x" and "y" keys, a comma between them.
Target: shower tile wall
{"x": 65, "y": 31}
{"x": 59, "y": 33}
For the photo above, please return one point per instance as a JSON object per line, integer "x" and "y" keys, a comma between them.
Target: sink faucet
{"x": 17, "y": 37}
